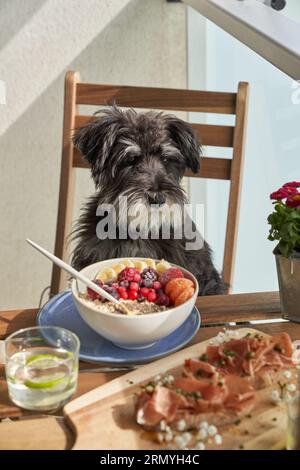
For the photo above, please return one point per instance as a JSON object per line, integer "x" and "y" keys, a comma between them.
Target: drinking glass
{"x": 41, "y": 365}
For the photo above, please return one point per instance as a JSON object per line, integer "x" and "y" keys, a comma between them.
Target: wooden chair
{"x": 77, "y": 93}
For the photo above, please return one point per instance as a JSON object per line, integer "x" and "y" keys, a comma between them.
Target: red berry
{"x": 169, "y": 274}
{"x": 156, "y": 285}
{"x": 132, "y": 294}
{"x": 121, "y": 289}
{"x": 134, "y": 286}
{"x": 137, "y": 278}
{"x": 163, "y": 299}
{"x": 151, "y": 297}
{"x": 127, "y": 274}
{"x": 144, "y": 291}
{"x": 92, "y": 294}
{"x": 124, "y": 295}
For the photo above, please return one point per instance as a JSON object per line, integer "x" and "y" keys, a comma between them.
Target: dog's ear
{"x": 184, "y": 137}
{"x": 95, "y": 141}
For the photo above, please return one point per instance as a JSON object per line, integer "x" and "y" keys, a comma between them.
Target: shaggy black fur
{"x": 142, "y": 156}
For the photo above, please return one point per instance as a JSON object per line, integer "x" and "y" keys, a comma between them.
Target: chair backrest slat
{"x": 213, "y": 168}
{"x": 225, "y": 136}
{"x": 156, "y": 98}
{"x": 209, "y": 134}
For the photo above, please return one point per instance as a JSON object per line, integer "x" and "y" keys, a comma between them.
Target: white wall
{"x": 110, "y": 41}
{"x": 272, "y": 150}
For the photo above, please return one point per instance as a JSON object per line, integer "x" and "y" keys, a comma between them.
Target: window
{"x": 272, "y": 34}
{"x": 217, "y": 61}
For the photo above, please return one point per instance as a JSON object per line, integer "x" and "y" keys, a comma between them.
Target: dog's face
{"x": 139, "y": 155}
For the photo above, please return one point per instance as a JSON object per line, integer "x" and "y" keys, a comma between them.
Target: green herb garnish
{"x": 229, "y": 353}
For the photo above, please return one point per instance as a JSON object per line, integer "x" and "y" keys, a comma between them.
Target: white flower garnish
{"x": 212, "y": 430}
{"x": 203, "y": 425}
{"x": 179, "y": 441}
{"x": 275, "y": 396}
{"x": 287, "y": 374}
{"x": 162, "y": 425}
{"x": 140, "y": 417}
{"x": 200, "y": 446}
{"x": 181, "y": 425}
{"x": 202, "y": 434}
{"x": 186, "y": 436}
{"x": 218, "y": 439}
{"x": 291, "y": 387}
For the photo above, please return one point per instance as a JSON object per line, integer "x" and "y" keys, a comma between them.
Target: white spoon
{"x": 79, "y": 276}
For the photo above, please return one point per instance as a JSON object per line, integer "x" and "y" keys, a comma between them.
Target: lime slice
{"x": 43, "y": 382}
{"x": 43, "y": 361}
{"x": 40, "y": 363}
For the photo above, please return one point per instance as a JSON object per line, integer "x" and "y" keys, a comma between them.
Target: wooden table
{"x": 31, "y": 430}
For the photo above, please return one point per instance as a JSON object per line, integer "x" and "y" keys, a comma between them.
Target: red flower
{"x": 280, "y": 194}
{"x": 292, "y": 184}
{"x": 290, "y": 190}
{"x": 293, "y": 201}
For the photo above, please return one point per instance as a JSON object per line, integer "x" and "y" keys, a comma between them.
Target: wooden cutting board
{"x": 105, "y": 417}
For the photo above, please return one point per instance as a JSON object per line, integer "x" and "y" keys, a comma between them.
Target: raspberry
{"x": 134, "y": 286}
{"x": 163, "y": 299}
{"x": 137, "y": 278}
{"x": 151, "y": 297}
{"x": 132, "y": 294}
{"x": 92, "y": 294}
{"x": 156, "y": 285}
{"x": 149, "y": 274}
{"x": 144, "y": 291}
{"x": 169, "y": 274}
{"x": 127, "y": 274}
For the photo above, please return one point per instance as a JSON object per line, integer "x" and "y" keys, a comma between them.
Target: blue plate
{"x": 61, "y": 311}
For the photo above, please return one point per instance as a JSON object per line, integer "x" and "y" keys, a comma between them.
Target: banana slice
{"x": 118, "y": 267}
{"x": 140, "y": 265}
{"x": 107, "y": 274}
{"x": 150, "y": 262}
{"x": 162, "y": 266}
{"x": 128, "y": 263}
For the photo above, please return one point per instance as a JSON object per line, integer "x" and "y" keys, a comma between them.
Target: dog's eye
{"x": 130, "y": 159}
{"x": 165, "y": 160}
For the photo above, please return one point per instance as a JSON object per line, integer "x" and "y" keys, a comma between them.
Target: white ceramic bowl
{"x": 131, "y": 332}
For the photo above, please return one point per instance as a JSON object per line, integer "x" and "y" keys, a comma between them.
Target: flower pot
{"x": 288, "y": 270}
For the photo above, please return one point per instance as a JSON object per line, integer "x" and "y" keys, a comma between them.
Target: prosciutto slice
{"x": 223, "y": 379}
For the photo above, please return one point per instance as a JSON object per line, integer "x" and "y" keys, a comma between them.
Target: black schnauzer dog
{"x": 141, "y": 157}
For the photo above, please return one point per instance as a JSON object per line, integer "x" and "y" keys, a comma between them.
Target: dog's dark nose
{"x": 158, "y": 198}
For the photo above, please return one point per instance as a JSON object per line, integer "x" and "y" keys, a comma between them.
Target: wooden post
{"x": 67, "y": 182}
